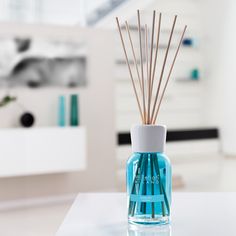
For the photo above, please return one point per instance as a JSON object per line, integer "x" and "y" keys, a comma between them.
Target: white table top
{"x": 193, "y": 214}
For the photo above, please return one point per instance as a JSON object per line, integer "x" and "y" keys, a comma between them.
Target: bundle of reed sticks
{"x": 149, "y": 100}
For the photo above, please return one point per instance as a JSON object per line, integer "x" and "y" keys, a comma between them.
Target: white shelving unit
{"x": 42, "y": 151}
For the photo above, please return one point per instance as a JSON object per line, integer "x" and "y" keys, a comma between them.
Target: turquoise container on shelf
{"x": 195, "y": 74}
{"x": 148, "y": 176}
{"x": 61, "y": 111}
{"x": 74, "y": 110}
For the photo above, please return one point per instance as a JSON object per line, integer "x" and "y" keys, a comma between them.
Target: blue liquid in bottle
{"x": 149, "y": 178}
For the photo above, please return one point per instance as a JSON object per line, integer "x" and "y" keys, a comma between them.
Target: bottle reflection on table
{"x": 144, "y": 230}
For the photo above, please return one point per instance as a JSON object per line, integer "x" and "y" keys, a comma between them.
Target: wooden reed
{"x": 150, "y": 69}
{"x": 141, "y": 58}
{"x": 156, "y": 52}
{"x": 134, "y": 56}
{"x": 168, "y": 77}
{"x": 163, "y": 69}
{"x": 130, "y": 72}
{"x": 147, "y": 65}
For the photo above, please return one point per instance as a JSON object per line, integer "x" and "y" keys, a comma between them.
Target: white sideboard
{"x": 42, "y": 150}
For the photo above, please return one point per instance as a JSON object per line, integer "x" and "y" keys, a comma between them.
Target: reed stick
{"x": 165, "y": 198}
{"x": 168, "y": 77}
{"x": 163, "y": 69}
{"x": 156, "y": 165}
{"x": 141, "y": 58}
{"x": 156, "y": 53}
{"x": 152, "y": 184}
{"x": 130, "y": 72}
{"x": 134, "y": 56}
{"x": 143, "y": 205}
{"x": 147, "y": 66}
{"x": 150, "y": 69}
{"x": 133, "y": 185}
{"x": 162, "y": 188}
{"x": 140, "y": 172}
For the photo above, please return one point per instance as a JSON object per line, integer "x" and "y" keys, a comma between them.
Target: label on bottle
{"x": 147, "y": 198}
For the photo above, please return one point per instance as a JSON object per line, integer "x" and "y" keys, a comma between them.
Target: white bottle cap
{"x": 148, "y": 138}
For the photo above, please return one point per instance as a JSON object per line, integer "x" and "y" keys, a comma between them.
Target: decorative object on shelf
{"x": 61, "y": 111}
{"x": 74, "y": 119}
{"x": 27, "y": 119}
{"x": 195, "y": 74}
{"x": 6, "y": 100}
{"x": 148, "y": 169}
{"x": 188, "y": 42}
{"x": 33, "y": 83}
{"x": 36, "y": 62}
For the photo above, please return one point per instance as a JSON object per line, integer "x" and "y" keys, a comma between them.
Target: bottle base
{"x": 149, "y": 220}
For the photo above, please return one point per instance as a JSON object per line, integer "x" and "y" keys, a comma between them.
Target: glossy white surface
{"x": 193, "y": 214}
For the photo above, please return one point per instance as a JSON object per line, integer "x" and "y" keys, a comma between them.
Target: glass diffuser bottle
{"x": 148, "y": 168}
{"x": 148, "y": 176}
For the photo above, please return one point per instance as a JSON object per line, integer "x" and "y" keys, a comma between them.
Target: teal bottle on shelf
{"x": 74, "y": 119}
{"x": 195, "y": 74}
{"x": 148, "y": 176}
{"x": 61, "y": 112}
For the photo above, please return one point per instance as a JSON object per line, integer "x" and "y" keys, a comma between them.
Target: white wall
{"x": 96, "y": 109}
{"x": 220, "y": 51}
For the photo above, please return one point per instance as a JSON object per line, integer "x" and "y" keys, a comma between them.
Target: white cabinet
{"x": 42, "y": 150}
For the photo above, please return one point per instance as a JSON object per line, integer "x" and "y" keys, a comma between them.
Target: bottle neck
{"x": 148, "y": 138}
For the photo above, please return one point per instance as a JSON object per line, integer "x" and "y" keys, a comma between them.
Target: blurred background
{"x": 67, "y": 104}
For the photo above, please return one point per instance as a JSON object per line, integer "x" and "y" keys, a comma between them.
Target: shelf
{"x": 42, "y": 151}
{"x": 187, "y": 80}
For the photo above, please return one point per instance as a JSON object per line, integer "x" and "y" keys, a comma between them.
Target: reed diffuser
{"x": 148, "y": 169}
